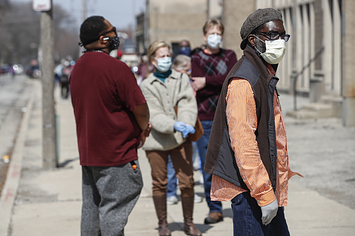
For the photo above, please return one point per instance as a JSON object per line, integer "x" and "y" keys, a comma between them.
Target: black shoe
{"x": 214, "y": 217}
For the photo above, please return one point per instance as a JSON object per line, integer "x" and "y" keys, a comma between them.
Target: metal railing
{"x": 295, "y": 76}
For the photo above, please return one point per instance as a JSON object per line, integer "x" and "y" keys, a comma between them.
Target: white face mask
{"x": 164, "y": 64}
{"x": 214, "y": 40}
{"x": 275, "y": 50}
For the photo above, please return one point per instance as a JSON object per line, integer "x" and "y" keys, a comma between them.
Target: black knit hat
{"x": 255, "y": 19}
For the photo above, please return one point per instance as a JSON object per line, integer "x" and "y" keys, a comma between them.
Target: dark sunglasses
{"x": 112, "y": 30}
{"x": 275, "y": 35}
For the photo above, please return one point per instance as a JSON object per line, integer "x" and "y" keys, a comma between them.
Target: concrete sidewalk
{"x": 47, "y": 203}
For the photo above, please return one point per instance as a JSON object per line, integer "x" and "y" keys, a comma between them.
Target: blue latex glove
{"x": 188, "y": 130}
{"x": 269, "y": 212}
{"x": 179, "y": 126}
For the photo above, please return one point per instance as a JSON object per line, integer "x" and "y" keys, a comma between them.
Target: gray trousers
{"x": 109, "y": 195}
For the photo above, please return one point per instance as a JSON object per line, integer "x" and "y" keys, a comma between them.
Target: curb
{"x": 13, "y": 176}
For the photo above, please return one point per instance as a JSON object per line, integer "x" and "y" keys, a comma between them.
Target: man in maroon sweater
{"x": 209, "y": 68}
{"x": 112, "y": 120}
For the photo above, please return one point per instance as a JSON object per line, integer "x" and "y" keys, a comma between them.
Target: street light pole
{"x": 84, "y": 10}
{"x": 48, "y": 109}
{"x": 84, "y": 15}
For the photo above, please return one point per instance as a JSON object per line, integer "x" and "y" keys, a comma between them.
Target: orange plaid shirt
{"x": 242, "y": 124}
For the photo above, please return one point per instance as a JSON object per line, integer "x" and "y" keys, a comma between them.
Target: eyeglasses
{"x": 112, "y": 30}
{"x": 275, "y": 35}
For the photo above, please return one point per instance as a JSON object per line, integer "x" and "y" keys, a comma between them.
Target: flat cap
{"x": 255, "y": 19}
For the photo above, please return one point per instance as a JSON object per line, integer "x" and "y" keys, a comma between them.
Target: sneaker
{"x": 214, "y": 217}
{"x": 201, "y": 179}
{"x": 171, "y": 200}
{"x": 196, "y": 164}
{"x": 197, "y": 198}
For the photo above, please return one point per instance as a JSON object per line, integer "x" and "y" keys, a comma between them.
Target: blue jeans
{"x": 172, "y": 180}
{"x": 247, "y": 218}
{"x": 215, "y": 206}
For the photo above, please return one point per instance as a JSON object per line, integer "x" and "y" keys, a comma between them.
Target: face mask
{"x": 275, "y": 50}
{"x": 114, "y": 43}
{"x": 214, "y": 40}
{"x": 185, "y": 51}
{"x": 164, "y": 64}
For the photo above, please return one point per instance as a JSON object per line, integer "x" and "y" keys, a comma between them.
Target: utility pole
{"x": 48, "y": 109}
{"x": 84, "y": 9}
{"x": 134, "y": 25}
{"x": 84, "y": 16}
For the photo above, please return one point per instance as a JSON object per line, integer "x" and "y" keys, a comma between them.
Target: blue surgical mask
{"x": 164, "y": 64}
{"x": 185, "y": 51}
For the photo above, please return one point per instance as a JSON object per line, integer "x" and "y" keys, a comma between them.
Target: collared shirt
{"x": 242, "y": 123}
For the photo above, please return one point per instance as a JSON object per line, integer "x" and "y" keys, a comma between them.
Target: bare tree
{"x": 65, "y": 35}
{"x": 20, "y": 33}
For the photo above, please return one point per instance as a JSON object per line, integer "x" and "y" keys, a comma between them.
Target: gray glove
{"x": 269, "y": 212}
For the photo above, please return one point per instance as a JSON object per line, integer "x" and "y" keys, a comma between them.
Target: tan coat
{"x": 161, "y": 98}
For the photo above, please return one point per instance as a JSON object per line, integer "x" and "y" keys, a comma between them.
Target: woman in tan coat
{"x": 164, "y": 89}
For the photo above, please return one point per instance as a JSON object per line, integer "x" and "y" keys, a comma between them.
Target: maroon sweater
{"x": 215, "y": 68}
{"x": 104, "y": 93}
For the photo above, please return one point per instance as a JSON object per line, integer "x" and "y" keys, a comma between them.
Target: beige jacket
{"x": 161, "y": 98}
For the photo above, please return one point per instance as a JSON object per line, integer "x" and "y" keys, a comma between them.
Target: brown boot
{"x": 160, "y": 208}
{"x": 214, "y": 217}
{"x": 188, "y": 209}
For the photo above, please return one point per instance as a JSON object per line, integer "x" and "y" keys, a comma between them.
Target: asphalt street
{"x": 13, "y": 98}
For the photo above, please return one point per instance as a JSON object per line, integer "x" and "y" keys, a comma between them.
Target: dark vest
{"x": 220, "y": 159}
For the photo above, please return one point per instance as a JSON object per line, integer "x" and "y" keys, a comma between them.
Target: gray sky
{"x": 121, "y": 13}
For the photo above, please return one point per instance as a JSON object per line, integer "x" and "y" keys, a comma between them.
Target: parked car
{"x": 33, "y": 71}
{"x": 17, "y": 68}
{"x": 4, "y": 69}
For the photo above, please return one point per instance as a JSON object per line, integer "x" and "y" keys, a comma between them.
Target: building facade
{"x": 172, "y": 21}
{"x": 348, "y": 61}
{"x": 318, "y": 60}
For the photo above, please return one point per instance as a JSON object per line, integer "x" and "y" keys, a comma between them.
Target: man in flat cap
{"x": 247, "y": 152}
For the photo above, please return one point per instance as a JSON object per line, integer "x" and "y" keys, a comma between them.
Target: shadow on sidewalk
{"x": 65, "y": 163}
{"x": 179, "y": 226}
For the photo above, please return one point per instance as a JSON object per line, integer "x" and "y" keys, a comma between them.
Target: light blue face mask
{"x": 214, "y": 40}
{"x": 164, "y": 64}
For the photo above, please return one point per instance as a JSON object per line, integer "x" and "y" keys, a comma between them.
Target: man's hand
{"x": 147, "y": 131}
{"x": 269, "y": 212}
{"x": 142, "y": 140}
{"x": 144, "y": 135}
{"x": 198, "y": 83}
